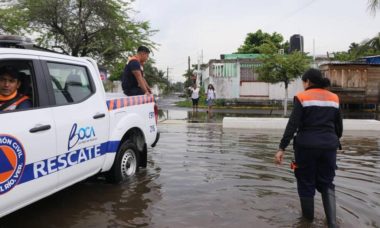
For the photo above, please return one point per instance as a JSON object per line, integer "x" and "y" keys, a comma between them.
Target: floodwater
{"x": 169, "y": 110}
{"x": 201, "y": 175}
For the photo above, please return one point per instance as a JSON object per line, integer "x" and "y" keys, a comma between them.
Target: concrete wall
{"x": 226, "y": 79}
{"x": 270, "y": 91}
{"x": 254, "y": 89}
{"x": 226, "y": 86}
{"x": 277, "y": 91}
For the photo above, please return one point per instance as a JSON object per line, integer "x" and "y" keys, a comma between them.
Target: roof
{"x": 337, "y": 63}
{"x": 240, "y": 56}
{"x": 33, "y": 53}
{"x": 14, "y": 41}
{"x": 369, "y": 57}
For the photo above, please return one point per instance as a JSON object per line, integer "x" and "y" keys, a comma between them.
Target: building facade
{"x": 355, "y": 83}
{"x": 234, "y": 76}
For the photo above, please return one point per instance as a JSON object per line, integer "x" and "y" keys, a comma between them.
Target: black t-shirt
{"x": 128, "y": 79}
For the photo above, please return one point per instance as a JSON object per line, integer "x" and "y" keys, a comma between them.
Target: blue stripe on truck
{"x": 51, "y": 165}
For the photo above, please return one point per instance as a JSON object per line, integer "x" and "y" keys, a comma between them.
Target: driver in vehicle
{"x": 10, "y": 98}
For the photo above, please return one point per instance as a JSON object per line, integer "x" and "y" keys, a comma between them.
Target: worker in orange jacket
{"x": 316, "y": 126}
{"x": 10, "y": 98}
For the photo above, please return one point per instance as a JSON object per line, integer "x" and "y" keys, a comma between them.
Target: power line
{"x": 286, "y": 16}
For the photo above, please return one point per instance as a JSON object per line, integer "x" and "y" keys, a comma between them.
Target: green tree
{"x": 344, "y": 56}
{"x": 188, "y": 78}
{"x": 366, "y": 48}
{"x": 11, "y": 23}
{"x": 101, "y": 29}
{"x": 255, "y": 42}
{"x": 374, "y": 44}
{"x": 373, "y": 6}
{"x": 155, "y": 76}
{"x": 178, "y": 87}
{"x": 353, "y": 53}
{"x": 277, "y": 68}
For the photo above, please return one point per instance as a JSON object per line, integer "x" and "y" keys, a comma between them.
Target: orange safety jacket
{"x": 319, "y": 98}
{"x": 135, "y": 58}
{"x": 14, "y": 105}
{"x": 316, "y": 119}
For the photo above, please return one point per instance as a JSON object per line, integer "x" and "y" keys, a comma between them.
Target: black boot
{"x": 307, "y": 205}
{"x": 328, "y": 198}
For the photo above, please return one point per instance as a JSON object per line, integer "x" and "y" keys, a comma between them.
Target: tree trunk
{"x": 286, "y": 100}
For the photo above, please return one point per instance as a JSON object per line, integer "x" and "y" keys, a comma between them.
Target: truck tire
{"x": 126, "y": 163}
{"x": 144, "y": 157}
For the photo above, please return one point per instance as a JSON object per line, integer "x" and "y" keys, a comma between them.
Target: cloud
{"x": 219, "y": 26}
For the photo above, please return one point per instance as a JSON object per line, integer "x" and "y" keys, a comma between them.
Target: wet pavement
{"x": 201, "y": 175}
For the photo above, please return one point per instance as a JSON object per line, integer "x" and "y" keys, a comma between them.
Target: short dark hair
{"x": 143, "y": 49}
{"x": 316, "y": 78}
{"x": 11, "y": 71}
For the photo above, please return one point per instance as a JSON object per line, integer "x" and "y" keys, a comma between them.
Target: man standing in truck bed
{"x": 133, "y": 81}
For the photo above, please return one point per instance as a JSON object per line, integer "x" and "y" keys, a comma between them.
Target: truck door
{"x": 81, "y": 117}
{"x": 28, "y": 170}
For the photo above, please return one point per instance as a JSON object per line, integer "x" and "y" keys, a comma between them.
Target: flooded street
{"x": 201, "y": 175}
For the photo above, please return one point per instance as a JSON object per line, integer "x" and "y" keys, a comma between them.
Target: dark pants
{"x": 315, "y": 170}
{"x": 195, "y": 101}
{"x": 134, "y": 91}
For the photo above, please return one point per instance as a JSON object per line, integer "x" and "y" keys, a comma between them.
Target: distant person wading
{"x": 210, "y": 99}
{"x": 133, "y": 81}
{"x": 315, "y": 126}
{"x": 194, "y": 96}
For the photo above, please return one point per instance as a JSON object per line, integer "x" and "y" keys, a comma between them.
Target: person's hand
{"x": 279, "y": 157}
{"x": 147, "y": 93}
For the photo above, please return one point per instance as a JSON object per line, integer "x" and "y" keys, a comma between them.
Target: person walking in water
{"x": 210, "y": 99}
{"x": 316, "y": 126}
{"x": 194, "y": 96}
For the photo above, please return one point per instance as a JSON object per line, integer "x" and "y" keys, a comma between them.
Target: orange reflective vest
{"x": 321, "y": 125}
{"x": 14, "y": 105}
{"x": 316, "y": 119}
{"x": 318, "y": 97}
{"x": 135, "y": 58}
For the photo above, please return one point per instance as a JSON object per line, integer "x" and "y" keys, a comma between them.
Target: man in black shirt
{"x": 133, "y": 81}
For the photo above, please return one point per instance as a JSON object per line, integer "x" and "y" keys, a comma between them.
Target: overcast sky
{"x": 188, "y": 27}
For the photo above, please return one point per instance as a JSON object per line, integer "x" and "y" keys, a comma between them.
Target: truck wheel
{"x": 144, "y": 157}
{"x": 126, "y": 163}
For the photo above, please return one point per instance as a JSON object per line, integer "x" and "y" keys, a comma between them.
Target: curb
{"x": 280, "y": 123}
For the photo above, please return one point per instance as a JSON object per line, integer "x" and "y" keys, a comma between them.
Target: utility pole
{"x": 202, "y": 56}
{"x": 199, "y": 72}
{"x": 314, "y": 63}
{"x": 167, "y": 75}
{"x": 188, "y": 64}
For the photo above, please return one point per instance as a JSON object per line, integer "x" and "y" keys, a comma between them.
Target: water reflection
{"x": 361, "y": 115}
{"x": 94, "y": 203}
{"x": 201, "y": 175}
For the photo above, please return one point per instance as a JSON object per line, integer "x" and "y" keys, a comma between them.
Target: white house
{"x": 234, "y": 76}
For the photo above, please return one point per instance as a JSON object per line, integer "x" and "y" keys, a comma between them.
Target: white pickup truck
{"x": 72, "y": 132}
